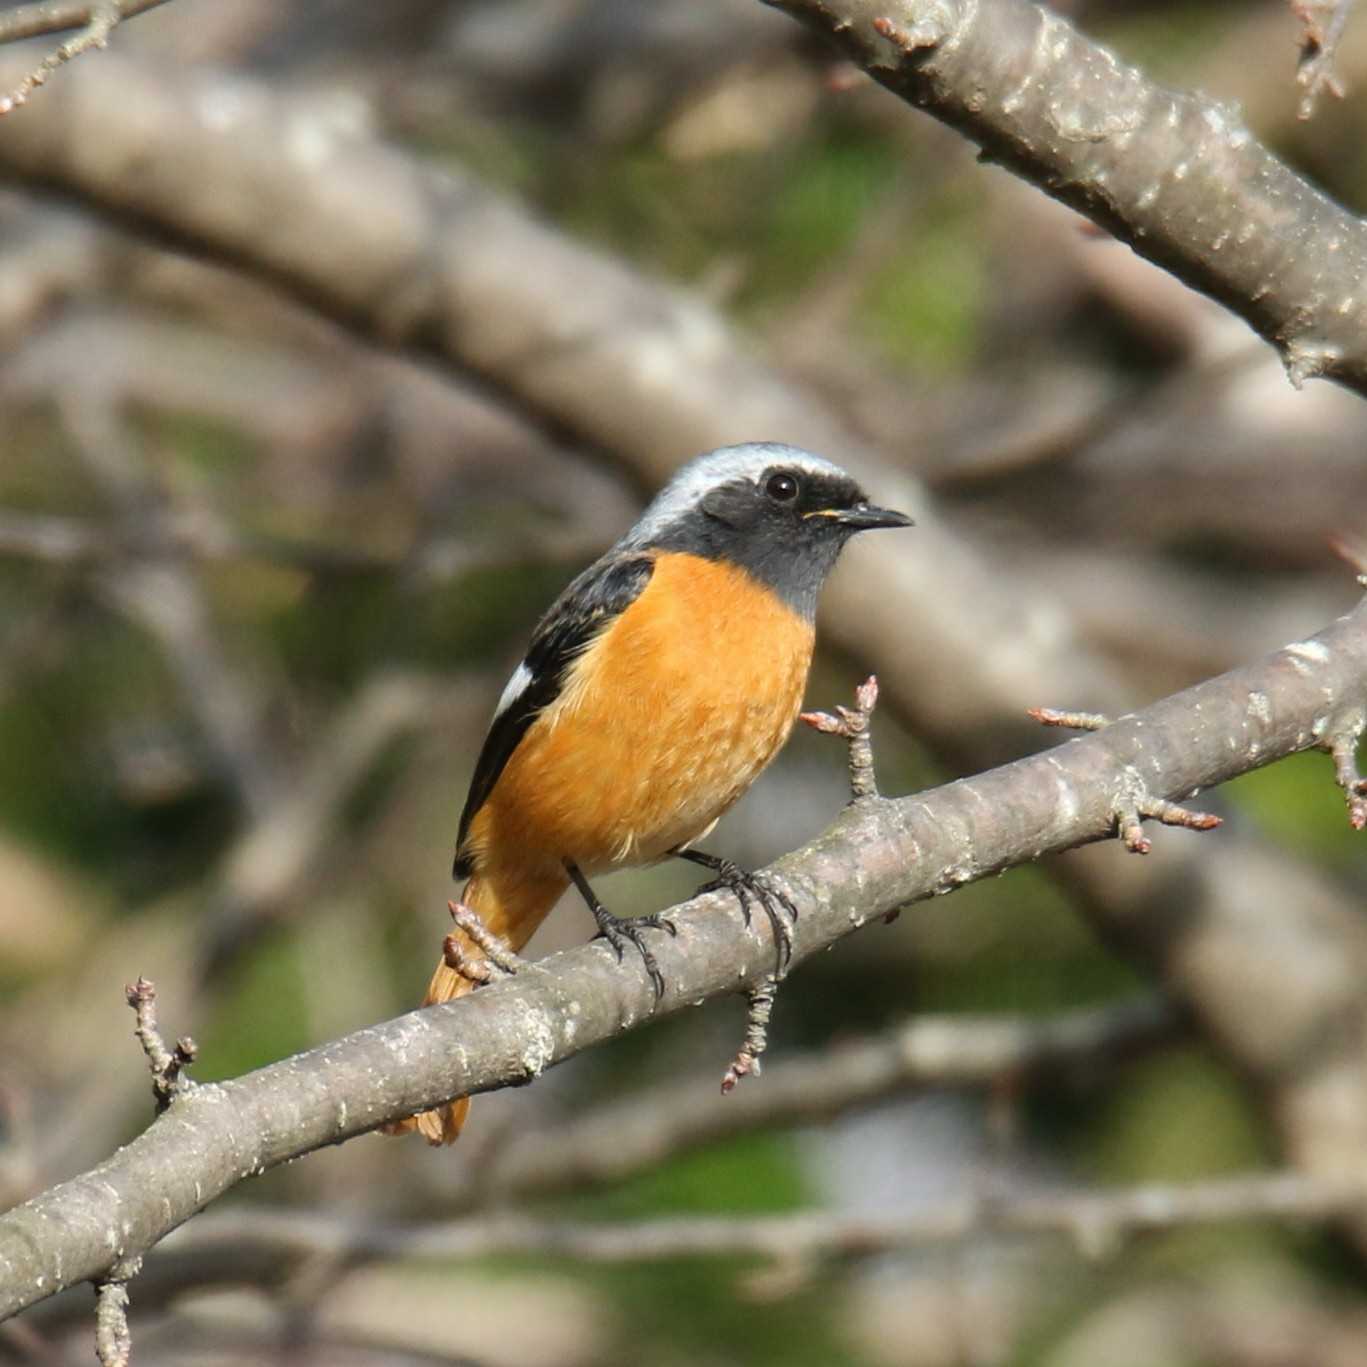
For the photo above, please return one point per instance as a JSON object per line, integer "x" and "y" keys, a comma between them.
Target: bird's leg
{"x": 619, "y": 931}
{"x": 749, "y": 888}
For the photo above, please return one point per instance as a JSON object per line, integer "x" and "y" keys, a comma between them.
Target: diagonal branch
{"x": 96, "y": 20}
{"x": 56, "y": 16}
{"x": 1176, "y": 176}
{"x": 879, "y": 855}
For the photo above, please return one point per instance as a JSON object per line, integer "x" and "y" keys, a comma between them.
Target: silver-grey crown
{"x": 684, "y": 492}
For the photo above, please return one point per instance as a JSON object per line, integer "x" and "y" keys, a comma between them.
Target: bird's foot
{"x": 750, "y": 889}
{"x": 620, "y": 931}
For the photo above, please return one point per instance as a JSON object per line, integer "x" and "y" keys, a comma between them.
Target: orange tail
{"x": 512, "y": 910}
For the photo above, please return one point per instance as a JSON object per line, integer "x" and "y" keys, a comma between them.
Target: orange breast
{"x": 663, "y": 724}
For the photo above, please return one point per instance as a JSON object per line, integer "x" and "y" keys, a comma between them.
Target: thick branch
{"x": 879, "y": 855}
{"x": 1176, "y": 176}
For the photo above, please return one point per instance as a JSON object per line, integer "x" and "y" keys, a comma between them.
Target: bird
{"x": 657, "y": 686}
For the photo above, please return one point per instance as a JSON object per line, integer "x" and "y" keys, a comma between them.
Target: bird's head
{"x": 778, "y": 512}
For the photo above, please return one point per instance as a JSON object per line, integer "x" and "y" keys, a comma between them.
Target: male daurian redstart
{"x": 659, "y": 684}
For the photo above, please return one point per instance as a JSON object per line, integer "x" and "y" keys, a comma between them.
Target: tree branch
{"x": 113, "y": 1343}
{"x": 879, "y": 855}
{"x": 1176, "y": 176}
{"x": 1095, "y": 1220}
{"x": 159, "y": 590}
{"x": 1323, "y": 22}
{"x": 55, "y": 16}
{"x": 96, "y": 19}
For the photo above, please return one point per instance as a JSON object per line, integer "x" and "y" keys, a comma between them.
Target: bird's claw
{"x": 748, "y": 889}
{"x": 619, "y": 932}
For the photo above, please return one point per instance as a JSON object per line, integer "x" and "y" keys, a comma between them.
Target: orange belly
{"x": 663, "y": 724}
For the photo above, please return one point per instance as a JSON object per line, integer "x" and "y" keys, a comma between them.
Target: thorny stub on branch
{"x": 1136, "y": 803}
{"x": 167, "y": 1065}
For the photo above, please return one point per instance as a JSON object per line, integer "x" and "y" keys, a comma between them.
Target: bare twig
{"x": 167, "y": 1065}
{"x": 1341, "y": 741}
{"x": 1136, "y": 803}
{"x": 98, "y": 19}
{"x": 1351, "y": 548}
{"x": 853, "y": 724}
{"x": 1323, "y": 22}
{"x": 1073, "y": 721}
{"x": 477, "y": 970}
{"x": 498, "y": 955}
{"x": 1131, "y": 812}
{"x": 909, "y": 38}
{"x": 1129, "y": 827}
{"x": 54, "y": 16}
{"x": 761, "y": 1005}
{"x": 159, "y": 590}
{"x": 1172, "y": 814}
{"x": 265, "y": 868}
{"x": 113, "y": 1342}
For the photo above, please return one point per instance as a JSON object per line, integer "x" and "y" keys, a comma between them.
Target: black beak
{"x": 865, "y": 518}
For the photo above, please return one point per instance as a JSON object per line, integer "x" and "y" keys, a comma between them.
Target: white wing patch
{"x": 515, "y": 688}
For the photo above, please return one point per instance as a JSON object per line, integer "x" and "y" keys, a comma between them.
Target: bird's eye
{"x": 781, "y": 488}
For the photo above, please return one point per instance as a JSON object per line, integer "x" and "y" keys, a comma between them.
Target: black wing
{"x": 604, "y": 591}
